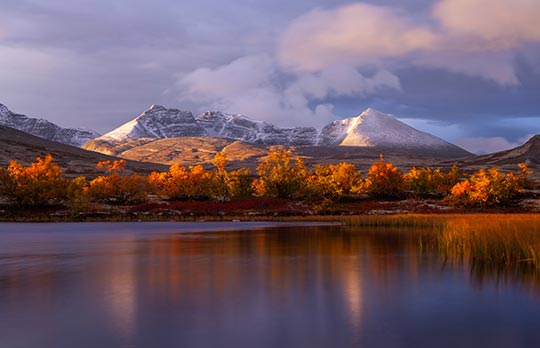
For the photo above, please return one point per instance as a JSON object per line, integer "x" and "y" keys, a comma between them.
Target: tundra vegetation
{"x": 280, "y": 175}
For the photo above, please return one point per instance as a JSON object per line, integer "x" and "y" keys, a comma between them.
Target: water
{"x": 249, "y": 285}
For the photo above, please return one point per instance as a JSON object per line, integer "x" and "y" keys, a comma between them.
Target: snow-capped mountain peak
{"x": 371, "y": 128}
{"x": 45, "y": 129}
{"x": 157, "y": 122}
{"x": 374, "y": 128}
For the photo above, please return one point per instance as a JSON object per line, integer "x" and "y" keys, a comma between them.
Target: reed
{"x": 482, "y": 240}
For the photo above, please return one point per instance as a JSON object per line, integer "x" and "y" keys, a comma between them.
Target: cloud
{"x": 350, "y": 34}
{"x": 476, "y": 38}
{"x": 485, "y": 145}
{"x": 254, "y": 85}
{"x": 482, "y": 146}
{"x": 491, "y": 24}
{"x": 498, "y": 67}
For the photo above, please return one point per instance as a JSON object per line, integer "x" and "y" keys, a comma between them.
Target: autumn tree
{"x": 281, "y": 176}
{"x": 240, "y": 183}
{"x": 384, "y": 180}
{"x": 485, "y": 188}
{"x": 76, "y": 194}
{"x": 187, "y": 183}
{"x": 118, "y": 188}
{"x": 335, "y": 181}
{"x": 427, "y": 181}
{"x": 38, "y": 184}
{"x": 218, "y": 181}
{"x": 226, "y": 185}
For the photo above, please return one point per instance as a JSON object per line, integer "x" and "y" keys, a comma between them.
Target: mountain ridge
{"x": 369, "y": 129}
{"x": 45, "y": 129}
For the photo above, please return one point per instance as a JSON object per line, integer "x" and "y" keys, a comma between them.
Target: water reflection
{"x": 286, "y": 287}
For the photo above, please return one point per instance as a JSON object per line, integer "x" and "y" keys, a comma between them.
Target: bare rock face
{"x": 45, "y": 129}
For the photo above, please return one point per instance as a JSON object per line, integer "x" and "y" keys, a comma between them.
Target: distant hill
{"x": 24, "y": 148}
{"x": 528, "y": 153}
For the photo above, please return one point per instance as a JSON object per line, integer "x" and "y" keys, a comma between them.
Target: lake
{"x": 251, "y": 285}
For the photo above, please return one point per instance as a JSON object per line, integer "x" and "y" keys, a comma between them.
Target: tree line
{"x": 279, "y": 175}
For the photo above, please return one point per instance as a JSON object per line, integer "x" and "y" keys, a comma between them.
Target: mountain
{"x": 24, "y": 148}
{"x": 373, "y": 128}
{"x": 528, "y": 153}
{"x": 369, "y": 129}
{"x": 157, "y": 122}
{"x": 240, "y": 127}
{"x": 45, "y": 129}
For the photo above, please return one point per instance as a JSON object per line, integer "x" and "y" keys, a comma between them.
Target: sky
{"x": 466, "y": 71}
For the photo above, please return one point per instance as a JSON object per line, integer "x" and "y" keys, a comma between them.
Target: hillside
{"x": 24, "y": 148}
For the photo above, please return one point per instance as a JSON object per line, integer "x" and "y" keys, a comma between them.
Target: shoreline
{"x": 358, "y": 219}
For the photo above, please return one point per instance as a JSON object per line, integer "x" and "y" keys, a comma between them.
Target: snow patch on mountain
{"x": 45, "y": 129}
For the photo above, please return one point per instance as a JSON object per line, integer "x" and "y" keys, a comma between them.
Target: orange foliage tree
{"x": 384, "y": 180}
{"x": 191, "y": 183}
{"x": 486, "y": 188}
{"x": 117, "y": 188}
{"x": 38, "y": 184}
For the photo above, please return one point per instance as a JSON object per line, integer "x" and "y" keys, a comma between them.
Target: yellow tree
{"x": 218, "y": 183}
{"x": 38, "y": 184}
{"x": 334, "y": 180}
{"x": 281, "y": 176}
{"x": 427, "y": 181}
{"x": 240, "y": 183}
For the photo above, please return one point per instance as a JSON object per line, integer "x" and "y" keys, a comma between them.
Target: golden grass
{"x": 483, "y": 240}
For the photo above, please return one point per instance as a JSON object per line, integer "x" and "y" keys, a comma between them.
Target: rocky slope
{"x": 369, "y": 129}
{"x": 45, "y": 129}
